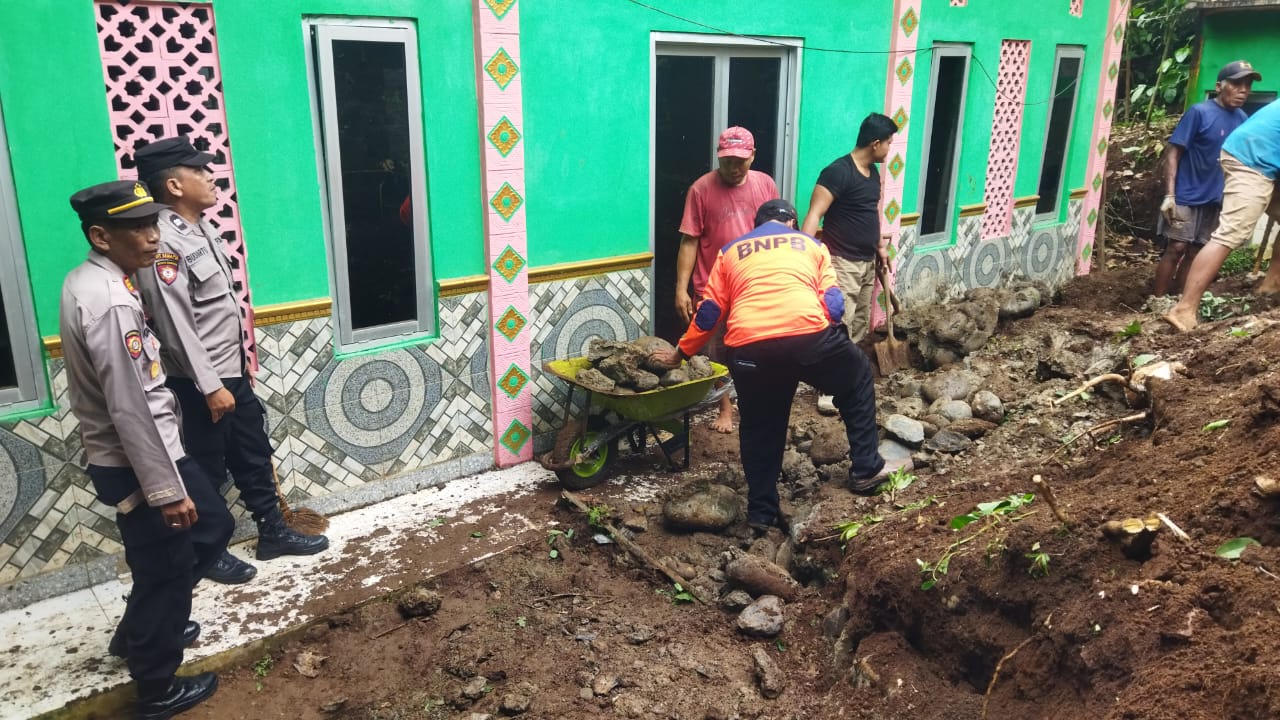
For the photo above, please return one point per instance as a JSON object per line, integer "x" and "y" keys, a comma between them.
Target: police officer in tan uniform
{"x": 194, "y": 310}
{"x": 172, "y": 523}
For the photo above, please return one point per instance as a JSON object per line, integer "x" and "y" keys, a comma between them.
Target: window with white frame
{"x": 944, "y": 122}
{"x": 22, "y": 383}
{"x": 368, "y": 100}
{"x": 1057, "y": 136}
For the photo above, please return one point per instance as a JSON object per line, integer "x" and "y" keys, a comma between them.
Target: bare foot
{"x": 1182, "y": 320}
{"x": 1265, "y": 288}
{"x": 723, "y": 423}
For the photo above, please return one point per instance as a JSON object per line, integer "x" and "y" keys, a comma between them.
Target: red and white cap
{"x": 736, "y": 142}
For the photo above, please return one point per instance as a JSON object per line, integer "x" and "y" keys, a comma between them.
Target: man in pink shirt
{"x": 720, "y": 206}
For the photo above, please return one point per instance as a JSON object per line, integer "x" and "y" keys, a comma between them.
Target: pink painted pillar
{"x": 502, "y": 161}
{"x": 1006, "y": 137}
{"x": 1103, "y": 112}
{"x": 899, "y": 84}
{"x": 160, "y": 65}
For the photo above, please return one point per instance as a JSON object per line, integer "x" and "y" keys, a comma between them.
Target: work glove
{"x": 1168, "y": 208}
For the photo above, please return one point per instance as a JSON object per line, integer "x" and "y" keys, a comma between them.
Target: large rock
{"x": 770, "y": 677}
{"x": 946, "y": 441}
{"x": 709, "y": 507}
{"x": 418, "y": 602}
{"x": 674, "y": 377}
{"x": 987, "y": 406}
{"x": 762, "y": 618}
{"x": 1019, "y": 303}
{"x": 909, "y": 432}
{"x": 830, "y": 444}
{"x": 796, "y": 467}
{"x": 890, "y": 450}
{"x": 593, "y": 379}
{"x": 761, "y": 577}
{"x": 952, "y": 410}
{"x": 950, "y": 385}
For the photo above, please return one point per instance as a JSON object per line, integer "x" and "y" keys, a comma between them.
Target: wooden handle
{"x": 882, "y": 274}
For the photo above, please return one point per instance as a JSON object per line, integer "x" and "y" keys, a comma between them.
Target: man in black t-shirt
{"x": 846, "y": 200}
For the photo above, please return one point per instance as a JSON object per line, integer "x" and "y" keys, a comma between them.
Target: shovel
{"x": 891, "y": 353}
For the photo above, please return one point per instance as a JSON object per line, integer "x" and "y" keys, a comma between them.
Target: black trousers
{"x": 238, "y": 442}
{"x": 166, "y": 564}
{"x": 766, "y": 374}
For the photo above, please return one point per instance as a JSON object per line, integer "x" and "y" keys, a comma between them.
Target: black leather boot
{"x": 230, "y": 570}
{"x": 118, "y": 648}
{"x": 276, "y": 539}
{"x": 183, "y": 694}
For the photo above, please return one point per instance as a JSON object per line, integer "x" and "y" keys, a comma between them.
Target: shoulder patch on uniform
{"x": 133, "y": 343}
{"x": 167, "y": 267}
{"x": 177, "y": 222}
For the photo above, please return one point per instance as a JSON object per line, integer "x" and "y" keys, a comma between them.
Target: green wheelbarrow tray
{"x": 657, "y": 404}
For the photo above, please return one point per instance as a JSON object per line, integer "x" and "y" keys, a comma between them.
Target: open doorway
{"x": 700, "y": 86}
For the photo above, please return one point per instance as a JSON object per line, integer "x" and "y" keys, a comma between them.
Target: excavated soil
{"x": 592, "y": 633}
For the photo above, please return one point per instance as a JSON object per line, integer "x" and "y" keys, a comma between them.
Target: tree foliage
{"x": 1158, "y": 50}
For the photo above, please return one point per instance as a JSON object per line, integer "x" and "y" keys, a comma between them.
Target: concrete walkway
{"x": 54, "y": 652}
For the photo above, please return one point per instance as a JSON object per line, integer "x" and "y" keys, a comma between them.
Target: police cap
{"x": 166, "y": 153}
{"x": 117, "y": 200}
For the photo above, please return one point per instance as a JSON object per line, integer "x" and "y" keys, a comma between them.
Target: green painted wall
{"x": 269, "y": 116}
{"x": 55, "y": 114}
{"x": 587, "y": 97}
{"x": 1047, "y": 25}
{"x": 1252, "y": 35}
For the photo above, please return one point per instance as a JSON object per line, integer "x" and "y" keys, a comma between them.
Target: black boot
{"x": 183, "y": 694}
{"x": 230, "y": 570}
{"x": 118, "y": 648}
{"x": 276, "y": 539}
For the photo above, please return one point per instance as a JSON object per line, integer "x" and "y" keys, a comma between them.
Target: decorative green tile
{"x": 1107, "y": 108}
{"x": 500, "y": 7}
{"x": 891, "y": 250}
{"x": 1086, "y": 251}
{"x": 509, "y": 264}
{"x": 506, "y": 201}
{"x": 515, "y": 437}
{"x": 896, "y": 165}
{"x": 1118, "y": 33}
{"x": 1097, "y": 182}
{"x": 513, "y": 381}
{"x": 501, "y": 68}
{"x": 1113, "y": 71}
{"x": 510, "y": 324}
{"x": 910, "y": 21}
{"x": 891, "y": 210}
{"x": 900, "y": 118}
{"x": 1093, "y": 216}
{"x": 904, "y": 71}
{"x": 1102, "y": 146}
{"x": 504, "y": 136}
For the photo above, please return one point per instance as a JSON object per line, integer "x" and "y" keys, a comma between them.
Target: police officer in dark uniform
{"x": 194, "y": 310}
{"x": 172, "y": 524}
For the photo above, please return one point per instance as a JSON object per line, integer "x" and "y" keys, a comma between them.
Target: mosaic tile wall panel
{"x": 1039, "y": 254}
{"x": 160, "y": 64}
{"x": 899, "y": 85}
{"x": 502, "y": 159}
{"x": 1006, "y": 137}
{"x": 335, "y": 425}
{"x": 569, "y": 314}
{"x": 1114, "y": 44}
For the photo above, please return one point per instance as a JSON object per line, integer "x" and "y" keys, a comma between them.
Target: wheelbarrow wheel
{"x": 591, "y": 470}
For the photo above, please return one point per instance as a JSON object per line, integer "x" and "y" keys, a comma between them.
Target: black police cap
{"x": 166, "y": 153}
{"x": 117, "y": 200}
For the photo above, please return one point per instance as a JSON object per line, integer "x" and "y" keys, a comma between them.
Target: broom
{"x": 304, "y": 520}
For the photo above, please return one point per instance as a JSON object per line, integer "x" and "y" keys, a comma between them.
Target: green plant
{"x": 1215, "y": 425}
{"x": 897, "y": 481}
{"x": 779, "y": 644}
{"x": 260, "y": 670}
{"x": 521, "y": 621}
{"x": 598, "y": 515}
{"x": 435, "y": 522}
{"x": 1214, "y": 307}
{"x": 989, "y": 516}
{"x": 680, "y": 595}
{"x": 1239, "y": 332}
{"x": 1238, "y": 261}
{"x": 1234, "y": 548}
{"x": 553, "y": 539}
{"x": 1156, "y": 57}
{"x": 1131, "y": 330}
{"x": 477, "y": 534}
{"x": 1143, "y": 359}
{"x": 849, "y": 529}
{"x": 1039, "y": 561}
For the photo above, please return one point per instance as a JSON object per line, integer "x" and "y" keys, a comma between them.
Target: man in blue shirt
{"x": 1193, "y": 177}
{"x": 1250, "y": 166}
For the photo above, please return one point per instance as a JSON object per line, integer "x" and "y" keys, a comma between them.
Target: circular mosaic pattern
{"x": 18, "y": 490}
{"x": 593, "y": 314}
{"x": 924, "y": 273}
{"x": 984, "y": 264}
{"x": 1043, "y": 255}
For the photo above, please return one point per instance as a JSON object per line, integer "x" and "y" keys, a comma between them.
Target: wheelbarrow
{"x": 588, "y": 444}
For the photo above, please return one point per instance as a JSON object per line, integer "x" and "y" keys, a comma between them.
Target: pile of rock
{"x": 624, "y": 368}
{"x": 947, "y": 332}
{"x": 943, "y": 414}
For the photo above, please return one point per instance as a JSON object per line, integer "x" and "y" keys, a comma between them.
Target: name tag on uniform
{"x": 155, "y": 369}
